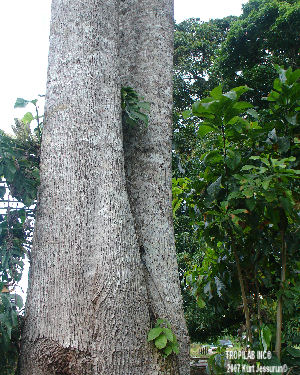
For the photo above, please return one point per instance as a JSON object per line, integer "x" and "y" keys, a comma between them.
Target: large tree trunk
{"x": 146, "y": 62}
{"x": 89, "y": 303}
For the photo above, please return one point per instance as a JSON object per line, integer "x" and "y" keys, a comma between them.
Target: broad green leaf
{"x": 248, "y": 167}
{"x": 265, "y": 183}
{"x": 28, "y": 117}
{"x": 168, "y": 350}
{"x": 176, "y": 206}
{"x": 21, "y": 103}
{"x": 277, "y": 85}
{"x": 234, "y": 160}
{"x": 175, "y": 349}
{"x": 169, "y": 334}
{"x": 161, "y": 341}
{"x": 154, "y": 333}
{"x": 253, "y": 113}
{"x": 216, "y": 93}
{"x": 293, "y": 351}
{"x": 163, "y": 321}
{"x": 201, "y": 303}
{"x": 214, "y": 188}
{"x": 145, "y": 105}
{"x": 242, "y": 105}
{"x": 213, "y": 157}
{"x": 250, "y": 203}
{"x": 204, "y": 130}
{"x": 240, "y": 90}
{"x": 266, "y": 336}
{"x": 232, "y": 95}
{"x": 187, "y": 114}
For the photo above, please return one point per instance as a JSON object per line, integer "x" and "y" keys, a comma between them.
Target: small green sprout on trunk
{"x": 134, "y": 109}
{"x": 163, "y": 337}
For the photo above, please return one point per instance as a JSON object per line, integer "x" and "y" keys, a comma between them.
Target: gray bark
{"x": 89, "y": 303}
{"x": 146, "y": 62}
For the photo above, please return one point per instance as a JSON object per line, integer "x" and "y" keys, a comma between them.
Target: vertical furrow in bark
{"x": 146, "y": 54}
{"x": 86, "y": 311}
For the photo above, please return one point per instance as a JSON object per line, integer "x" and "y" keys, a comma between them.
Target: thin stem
{"x": 225, "y": 155}
{"x": 244, "y": 298}
{"x": 258, "y": 302}
{"x": 280, "y": 302}
{"x": 38, "y": 122}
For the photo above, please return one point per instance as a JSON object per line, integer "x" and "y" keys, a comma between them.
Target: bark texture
{"x": 146, "y": 62}
{"x": 89, "y": 304}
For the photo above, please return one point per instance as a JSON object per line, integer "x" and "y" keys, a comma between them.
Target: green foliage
{"x": 134, "y": 109}
{"x": 242, "y": 191}
{"x": 19, "y": 169}
{"x": 196, "y": 44}
{"x": 20, "y": 155}
{"x": 9, "y": 331}
{"x": 261, "y": 37}
{"x": 163, "y": 337}
{"x": 217, "y": 362}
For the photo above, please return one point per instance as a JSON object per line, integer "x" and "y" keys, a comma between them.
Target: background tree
{"x": 243, "y": 201}
{"x": 266, "y": 33}
{"x": 246, "y": 46}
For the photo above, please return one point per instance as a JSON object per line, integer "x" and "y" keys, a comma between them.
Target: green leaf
{"x": 215, "y": 187}
{"x": 266, "y": 336}
{"x": 293, "y": 351}
{"x": 175, "y": 349}
{"x": 265, "y": 183}
{"x": 248, "y": 167}
{"x": 28, "y": 117}
{"x": 232, "y": 95}
{"x": 250, "y": 203}
{"x": 274, "y": 361}
{"x": 234, "y": 160}
{"x": 154, "y": 333}
{"x": 284, "y": 144}
{"x": 277, "y": 85}
{"x": 186, "y": 114}
{"x": 161, "y": 322}
{"x": 201, "y": 303}
{"x": 242, "y": 105}
{"x": 169, "y": 334}
{"x": 161, "y": 341}
{"x": 21, "y": 103}
{"x": 204, "y": 130}
{"x": 240, "y": 90}
{"x": 19, "y": 301}
{"x": 168, "y": 350}
{"x": 253, "y": 113}
{"x": 216, "y": 93}
{"x": 145, "y": 105}
{"x": 213, "y": 157}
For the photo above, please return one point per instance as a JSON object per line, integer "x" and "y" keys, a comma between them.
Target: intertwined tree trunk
{"x": 103, "y": 264}
{"x": 146, "y": 62}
